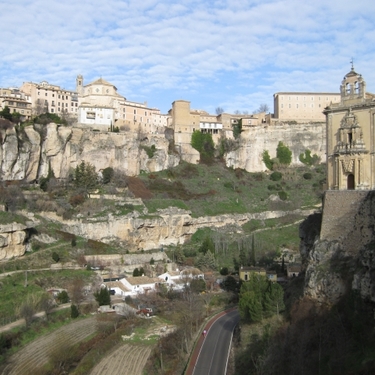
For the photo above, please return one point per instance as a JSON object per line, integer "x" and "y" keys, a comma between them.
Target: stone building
{"x": 302, "y": 106}
{"x": 101, "y": 106}
{"x": 17, "y": 101}
{"x": 350, "y": 137}
{"x": 45, "y": 97}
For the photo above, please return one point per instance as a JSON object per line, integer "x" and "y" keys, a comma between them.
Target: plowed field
{"x": 36, "y": 354}
{"x": 125, "y": 360}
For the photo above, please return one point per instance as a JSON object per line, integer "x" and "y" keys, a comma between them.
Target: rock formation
{"x": 340, "y": 256}
{"x": 29, "y": 152}
{"x": 13, "y": 238}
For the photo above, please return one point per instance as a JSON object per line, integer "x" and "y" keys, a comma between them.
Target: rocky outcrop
{"x": 30, "y": 152}
{"x": 342, "y": 257}
{"x": 255, "y": 140}
{"x": 13, "y": 242}
{"x": 170, "y": 226}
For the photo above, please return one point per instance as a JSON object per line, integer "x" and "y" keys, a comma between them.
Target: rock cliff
{"x": 341, "y": 255}
{"x": 27, "y": 153}
{"x": 13, "y": 240}
{"x": 170, "y": 226}
{"x": 298, "y": 137}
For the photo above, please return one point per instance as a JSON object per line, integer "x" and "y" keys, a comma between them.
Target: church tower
{"x": 350, "y": 137}
{"x": 79, "y": 85}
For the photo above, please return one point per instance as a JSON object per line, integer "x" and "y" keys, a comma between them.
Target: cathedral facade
{"x": 351, "y": 137}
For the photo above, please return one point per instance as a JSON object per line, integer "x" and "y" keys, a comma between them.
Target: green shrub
{"x": 283, "y": 195}
{"x": 307, "y": 176}
{"x": 237, "y": 129}
{"x": 276, "y": 176}
{"x": 203, "y": 143}
{"x": 63, "y": 297}
{"x": 74, "y": 313}
{"x": 267, "y": 160}
{"x": 107, "y": 175}
{"x": 55, "y": 256}
{"x": 307, "y": 159}
{"x": 150, "y": 151}
{"x": 283, "y": 153}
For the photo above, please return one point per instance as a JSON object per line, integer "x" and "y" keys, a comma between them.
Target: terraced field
{"x": 125, "y": 360}
{"x": 36, "y": 354}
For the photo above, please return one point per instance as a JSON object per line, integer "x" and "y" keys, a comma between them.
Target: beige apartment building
{"x": 302, "y": 106}
{"x": 100, "y": 105}
{"x": 350, "y": 127}
{"x": 45, "y": 97}
{"x": 16, "y": 101}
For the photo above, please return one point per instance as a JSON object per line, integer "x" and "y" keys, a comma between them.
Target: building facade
{"x": 16, "y": 101}
{"x": 351, "y": 137}
{"x": 45, "y": 97}
{"x": 302, "y": 106}
{"x": 100, "y": 105}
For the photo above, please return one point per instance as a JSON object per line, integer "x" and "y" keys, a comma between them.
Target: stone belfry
{"x": 79, "y": 84}
{"x": 350, "y": 137}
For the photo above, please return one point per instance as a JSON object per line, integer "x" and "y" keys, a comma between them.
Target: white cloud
{"x": 234, "y": 53}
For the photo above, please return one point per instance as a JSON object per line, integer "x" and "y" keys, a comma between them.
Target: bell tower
{"x": 350, "y": 136}
{"x": 79, "y": 84}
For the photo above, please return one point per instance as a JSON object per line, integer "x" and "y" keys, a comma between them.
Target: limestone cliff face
{"x": 171, "y": 226}
{"x": 255, "y": 140}
{"x": 12, "y": 240}
{"x": 342, "y": 257}
{"x": 29, "y": 153}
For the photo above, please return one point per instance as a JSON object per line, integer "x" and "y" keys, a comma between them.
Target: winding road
{"x": 214, "y": 352}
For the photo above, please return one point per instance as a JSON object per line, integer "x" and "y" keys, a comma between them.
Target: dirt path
{"x": 36, "y": 354}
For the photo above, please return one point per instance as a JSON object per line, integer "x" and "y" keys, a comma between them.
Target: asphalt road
{"x": 214, "y": 353}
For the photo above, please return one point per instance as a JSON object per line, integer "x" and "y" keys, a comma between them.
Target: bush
{"x": 283, "y": 153}
{"x": 74, "y": 313}
{"x": 55, "y": 256}
{"x": 276, "y": 176}
{"x": 107, "y": 175}
{"x": 103, "y": 297}
{"x": 224, "y": 271}
{"x": 76, "y": 200}
{"x": 283, "y": 195}
{"x": 63, "y": 297}
{"x": 203, "y": 143}
{"x": 307, "y": 176}
{"x": 267, "y": 160}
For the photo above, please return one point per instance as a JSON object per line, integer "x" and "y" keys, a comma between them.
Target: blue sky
{"x": 230, "y": 53}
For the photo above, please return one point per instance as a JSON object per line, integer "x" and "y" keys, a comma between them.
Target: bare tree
{"x": 76, "y": 291}
{"x": 219, "y": 110}
{"x": 263, "y": 108}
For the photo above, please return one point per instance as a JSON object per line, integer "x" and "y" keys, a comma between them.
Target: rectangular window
{"x": 90, "y": 115}
{"x": 135, "y": 111}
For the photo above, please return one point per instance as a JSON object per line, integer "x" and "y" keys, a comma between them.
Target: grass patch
{"x": 7, "y": 217}
{"x": 154, "y": 204}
